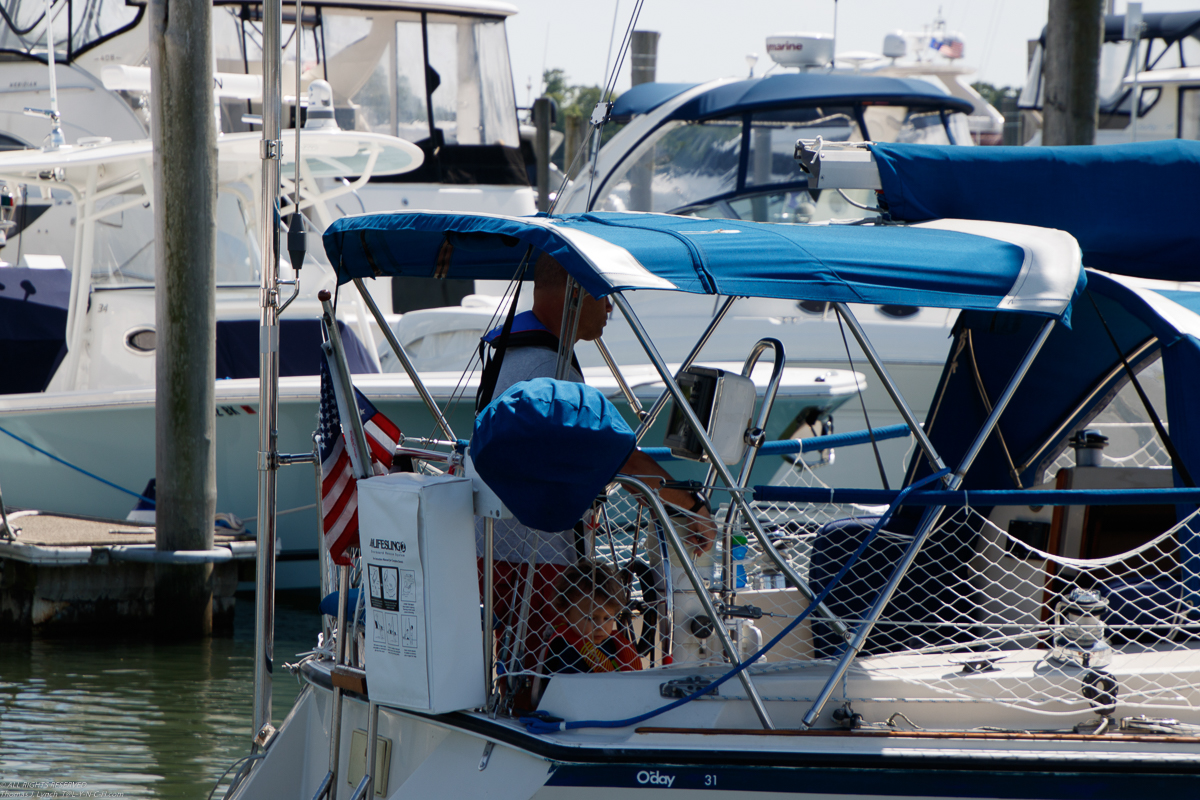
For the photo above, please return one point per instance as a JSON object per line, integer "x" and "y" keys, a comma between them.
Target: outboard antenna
{"x": 57, "y": 139}
{"x": 296, "y": 242}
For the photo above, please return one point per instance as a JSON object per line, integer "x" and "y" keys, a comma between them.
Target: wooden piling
{"x": 185, "y": 197}
{"x": 1074, "y": 34}
{"x": 541, "y": 150}
{"x": 643, "y": 51}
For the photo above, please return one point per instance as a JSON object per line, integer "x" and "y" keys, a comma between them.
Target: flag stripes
{"x": 339, "y": 488}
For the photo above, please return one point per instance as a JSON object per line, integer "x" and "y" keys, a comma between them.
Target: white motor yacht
{"x": 77, "y": 408}
{"x": 1156, "y": 64}
{"x": 434, "y": 73}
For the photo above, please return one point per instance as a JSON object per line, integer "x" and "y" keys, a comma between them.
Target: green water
{"x": 137, "y": 719}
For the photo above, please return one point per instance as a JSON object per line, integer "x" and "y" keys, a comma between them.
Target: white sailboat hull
{"x": 717, "y": 749}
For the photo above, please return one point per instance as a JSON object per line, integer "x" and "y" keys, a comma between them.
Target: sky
{"x": 706, "y": 39}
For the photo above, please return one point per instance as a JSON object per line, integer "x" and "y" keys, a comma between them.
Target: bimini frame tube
{"x": 925, "y": 527}
{"x": 634, "y": 486}
{"x": 635, "y": 405}
{"x": 661, "y": 402}
{"x": 935, "y": 461}
{"x": 405, "y": 362}
{"x": 736, "y": 495}
{"x": 268, "y": 371}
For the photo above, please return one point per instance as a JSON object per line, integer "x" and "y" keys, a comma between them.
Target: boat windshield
{"x": 78, "y": 25}
{"x": 123, "y": 252}
{"x": 683, "y": 165}
{"x": 420, "y": 76}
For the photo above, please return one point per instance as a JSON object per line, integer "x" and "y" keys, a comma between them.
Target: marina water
{"x": 134, "y": 718}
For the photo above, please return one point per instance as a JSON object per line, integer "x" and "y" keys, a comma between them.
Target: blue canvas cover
{"x": 793, "y": 89}
{"x": 1132, "y": 207}
{"x": 547, "y": 448}
{"x": 33, "y": 326}
{"x": 299, "y": 348}
{"x": 1072, "y": 379}
{"x": 644, "y": 98}
{"x": 905, "y": 265}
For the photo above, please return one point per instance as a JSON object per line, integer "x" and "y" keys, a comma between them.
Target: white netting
{"x": 975, "y": 595}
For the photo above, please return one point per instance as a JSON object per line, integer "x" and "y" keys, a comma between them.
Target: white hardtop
{"x": 238, "y": 154}
{"x": 481, "y": 7}
{"x": 1164, "y": 76}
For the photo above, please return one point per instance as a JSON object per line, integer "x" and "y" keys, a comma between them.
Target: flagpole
{"x": 339, "y": 369}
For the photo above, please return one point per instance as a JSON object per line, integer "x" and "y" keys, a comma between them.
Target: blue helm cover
{"x": 547, "y": 448}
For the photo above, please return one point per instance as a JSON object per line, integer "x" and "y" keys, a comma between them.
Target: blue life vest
{"x": 526, "y": 330}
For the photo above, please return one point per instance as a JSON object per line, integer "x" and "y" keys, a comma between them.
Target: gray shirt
{"x": 513, "y": 541}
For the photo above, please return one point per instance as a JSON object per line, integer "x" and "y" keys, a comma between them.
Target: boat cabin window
{"x": 375, "y": 61}
{"x": 85, "y": 24}
{"x": 123, "y": 254}
{"x": 682, "y": 163}
{"x": 1132, "y": 439}
{"x": 773, "y": 138}
{"x": 900, "y": 124}
{"x": 1189, "y": 113}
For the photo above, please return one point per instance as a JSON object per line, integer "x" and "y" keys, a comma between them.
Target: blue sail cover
{"x": 946, "y": 264}
{"x": 1132, "y": 207}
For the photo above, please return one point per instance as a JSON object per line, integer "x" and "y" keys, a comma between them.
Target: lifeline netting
{"x": 973, "y": 620}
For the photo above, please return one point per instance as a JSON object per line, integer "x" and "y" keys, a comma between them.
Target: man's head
{"x": 549, "y": 294}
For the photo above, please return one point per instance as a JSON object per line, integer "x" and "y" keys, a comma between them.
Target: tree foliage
{"x": 996, "y": 95}
{"x": 573, "y": 100}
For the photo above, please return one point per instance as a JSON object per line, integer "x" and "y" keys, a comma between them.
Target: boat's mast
{"x": 268, "y": 361}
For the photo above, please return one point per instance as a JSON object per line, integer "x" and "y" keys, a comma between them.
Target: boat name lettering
{"x": 388, "y": 544}
{"x": 655, "y": 778}
{"x": 234, "y": 411}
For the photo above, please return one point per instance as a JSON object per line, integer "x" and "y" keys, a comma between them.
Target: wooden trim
{"x": 975, "y": 735}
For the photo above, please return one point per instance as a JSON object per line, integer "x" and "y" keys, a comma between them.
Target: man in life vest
{"x": 530, "y": 350}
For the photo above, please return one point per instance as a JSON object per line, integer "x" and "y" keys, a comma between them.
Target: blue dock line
{"x": 982, "y": 497}
{"x": 33, "y": 446}
{"x": 783, "y": 447}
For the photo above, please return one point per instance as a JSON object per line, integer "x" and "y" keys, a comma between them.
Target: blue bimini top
{"x": 807, "y": 88}
{"x": 943, "y": 264}
{"x": 786, "y": 90}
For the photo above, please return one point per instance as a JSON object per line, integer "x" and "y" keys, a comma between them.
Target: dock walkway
{"x": 69, "y": 572}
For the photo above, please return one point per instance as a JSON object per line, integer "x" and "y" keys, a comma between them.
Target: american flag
{"x": 950, "y": 47}
{"x": 339, "y": 492}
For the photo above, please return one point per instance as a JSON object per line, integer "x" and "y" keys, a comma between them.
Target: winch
{"x": 1079, "y": 630}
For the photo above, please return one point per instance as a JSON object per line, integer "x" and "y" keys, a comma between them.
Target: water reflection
{"x": 140, "y": 719}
